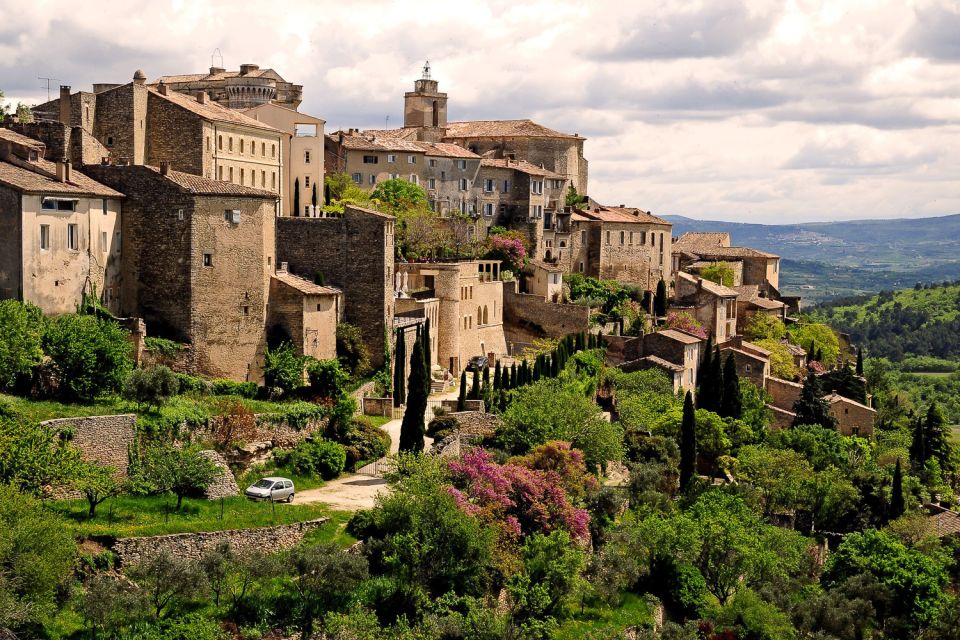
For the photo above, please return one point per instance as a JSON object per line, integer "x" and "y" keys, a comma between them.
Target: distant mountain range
{"x": 823, "y": 260}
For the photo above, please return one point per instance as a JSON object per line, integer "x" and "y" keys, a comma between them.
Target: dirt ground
{"x": 347, "y": 493}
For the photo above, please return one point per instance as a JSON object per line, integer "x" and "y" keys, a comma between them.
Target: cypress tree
{"x": 859, "y": 370}
{"x": 462, "y": 398}
{"x": 918, "y": 446}
{"x": 688, "y": 442}
{"x": 427, "y": 353}
{"x": 475, "y": 388}
{"x": 578, "y": 344}
{"x": 296, "y": 196}
{"x": 935, "y": 437}
{"x": 497, "y": 385}
{"x": 896, "y": 493}
{"x": 731, "y": 405}
{"x": 712, "y": 389}
{"x": 313, "y": 200}
{"x": 411, "y": 429}
{"x": 555, "y": 363}
{"x": 486, "y": 376}
{"x": 811, "y": 352}
{"x": 399, "y": 369}
{"x": 601, "y": 343}
{"x": 810, "y": 407}
{"x": 660, "y": 299}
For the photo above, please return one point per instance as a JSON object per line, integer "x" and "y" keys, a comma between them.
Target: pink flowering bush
{"x": 816, "y": 367}
{"x": 509, "y": 250}
{"x": 684, "y": 321}
{"x": 518, "y": 499}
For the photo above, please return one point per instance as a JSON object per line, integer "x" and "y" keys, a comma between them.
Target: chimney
{"x": 65, "y": 104}
{"x": 215, "y": 70}
{"x": 202, "y": 97}
{"x": 247, "y": 68}
{"x": 162, "y": 88}
{"x": 164, "y": 168}
{"x": 63, "y": 170}
{"x": 283, "y": 267}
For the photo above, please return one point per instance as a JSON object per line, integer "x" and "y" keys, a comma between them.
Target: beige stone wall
{"x": 784, "y": 392}
{"x": 224, "y": 485}
{"x": 634, "y": 253}
{"x": 383, "y": 169}
{"x": 547, "y": 319}
{"x": 563, "y": 156}
{"x": 852, "y": 418}
{"x": 310, "y": 320}
{"x": 246, "y": 156}
{"x": 193, "y": 546}
{"x": 440, "y": 177}
{"x": 104, "y": 440}
{"x": 750, "y": 367}
{"x": 121, "y": 117}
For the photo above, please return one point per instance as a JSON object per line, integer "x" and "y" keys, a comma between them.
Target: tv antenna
{"x": 386, "y": 122}
{"x": 216, "y": 53}
{"x": 47, "y": 84}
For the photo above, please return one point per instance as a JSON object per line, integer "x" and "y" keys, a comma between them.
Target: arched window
{"x": 436, "y": 114}
{"x": 241, "y": 145}
{"x": 220, "y": 142}
{"x": 486, "y": 318}
{"x": 479, "y": 316}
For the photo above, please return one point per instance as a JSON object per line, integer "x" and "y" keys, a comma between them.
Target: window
{"x": 109, "y": 141}
{"x": 357, "y": 178}
{"x": 241, "y": 145}
{"x": 103, "y": 206}
{"x": 231, "y": 174}
{"x": 232, "y": 216}
{"x": 306, "y": 210}
{"x": 746, "y": 368}
{"x": 73, "y": 237}
{"x": 414, "y": 178}
{"x": 208, "y": 143}
{"x": 306, "y": 157}
{"x": 488, "y": 209}
{"x": 581, "y": 267}
{"x": 488, "y": 185}
{"x": 433, "y": 162}
{"x": 464, "y": 184}
{"x": 263, "y": 179}
{"x": 230, "y": 143}
{"x": 621, "y": 237}
{"x": 179, "y": 214}
{"x": 44, "y": 237}
{"x": 370, "y": 159}
{"x": 536, "y": 186}
{"x": 246, "y": 310}
{"x": 411, "y": 159}
{"x": 242, "y": 171}
{"x": 53, "y": 204}
{"x": 220, "y": 173}
{"x": 462, "y": 165}
{"x": 506, "y": 186}
{"x": 643, "y": 237}
{"x": 273, "y": 179}
{"x": 391, "y": 157}
{"x": 220, "y": 142}
{"x": 373, "y": 178}
{"x": 273, "y": 151}
{"x": 608, "y": 237}
{"x": 503, "y": 209}
{"x": 103, "y": 242}
{"x": 431, "y": 183}
{"x": 305, "y": 130}
{"x": 208, "y": 259}
{"x": 536, "y": 211}
{"x": 306, "y": 181}
{"x": 263, "y": 149}
{"x": 631, "y": 237}
{"x": 394, "y": 176}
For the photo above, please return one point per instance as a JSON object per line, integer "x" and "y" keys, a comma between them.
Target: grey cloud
{"x": 936, "y": 33}
{"x": 717, "y": 29}
{"x": 847, "y": 158}
{"x": 877, "y": 116}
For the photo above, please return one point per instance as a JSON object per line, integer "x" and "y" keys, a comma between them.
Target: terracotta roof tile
{"x": 710, "y": 286}
{"x": 369, "y": 142}
{"x": 501, "y": 129}
{"x": 519, "y": 165}
{"x": 694, "y": 240}
{"x": 41, "y": 179}
{"x": 211, "y": 110}
{"x": 622, "y": 214}
{"x": 833, "y": 398}
{"x": 679, "y": 336}
{"x": 303, "y": 285}
{"x": 210, "y": 187}
{"x": 447, "y": 149}
{"x": 17, "y": 138}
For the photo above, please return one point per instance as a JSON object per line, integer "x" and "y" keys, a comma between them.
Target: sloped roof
{"x": 945, "y": 522}
{"x": 447, "y": 149}
{"x": 210, "y": 110}
{"x": 833, "y": 398}
{"x": 709, "y": 286}
{"x": 222, "y": 75}
{"x": 679, "y": 336}
{"x": 303, "y": 285}
{"x": 519, "y": 165}
{"x": 369, "y": 142}
{"x": 502, "y": 129}
{"x": 663, "y": 364}
{"x": 622, "y": 214}
{"x": 721, "y": 253}
{"x": 752, "y": 346}
{"x": 540, "y": 264}
{"x": 17, "y": 138}
{"x": 753, "y": 356}
{"x": 695, "y": 240}
{"x": 43, "y": 180}
{"x": 210, "y": 187}
{"x": 409, "y": 133}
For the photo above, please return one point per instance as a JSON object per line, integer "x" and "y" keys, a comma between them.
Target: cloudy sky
{"x": 750, "y": 110}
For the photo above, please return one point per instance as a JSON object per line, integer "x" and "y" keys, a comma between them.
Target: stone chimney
{"x": 65, "y": 109}
{"x": 164, "y": 168}
{"x": 64, "y": 170}
{"x": 283, "y": 267}
{"x": 247, "y": 68}
{"x": 139, "y": 77}
{"x": 215, "y": 70}
{"x": 202, "y": 97}
{"x": 162, "y": 88}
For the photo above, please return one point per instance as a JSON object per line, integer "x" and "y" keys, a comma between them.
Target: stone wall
{"x": 476, "y": 423}
{"x": 378, "y": 407}
{"x": 782, "y": 419}
{"x": 853, "y": 418}
{"x": 131, "y": 551}
{"x": 784, "y": 392}
{"x": 224, "y": 485}
{"x": 174, "y": 135}
{"x": 468, "y": 405}
{"x": 546, "y": 318}
{"x": 104, "y": 440}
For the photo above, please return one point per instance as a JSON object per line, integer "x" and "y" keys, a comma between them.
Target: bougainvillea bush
{"x": 508, "y": 249}
{"x": 685, "y": 321}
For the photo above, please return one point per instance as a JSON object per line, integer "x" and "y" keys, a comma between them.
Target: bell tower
{"x": 425, "y": 108}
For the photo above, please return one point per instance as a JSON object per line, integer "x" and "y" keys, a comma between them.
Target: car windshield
{"x": 264, "y": 484}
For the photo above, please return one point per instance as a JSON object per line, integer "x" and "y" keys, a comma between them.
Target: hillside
{"x": 824, "y": 260}
{"x": 910, "y": 323}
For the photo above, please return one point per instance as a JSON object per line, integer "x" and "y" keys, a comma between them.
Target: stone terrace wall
{"x": 784, "y": 393}
{"x": 468, "y": 405}
{"x": 131, "y": 551}
{"x": 476, "y": 422}
{"x": 552, "y": 320}
{"x": 378, "y": 407}
{"x": 224, "y": 485}
{"x": 104, "y": 440}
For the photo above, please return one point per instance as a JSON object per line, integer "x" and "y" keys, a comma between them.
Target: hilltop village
{"x": 199, "y": 206}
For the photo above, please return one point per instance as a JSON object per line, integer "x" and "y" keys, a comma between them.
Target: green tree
{"x": 731, "y": 404}
{"x": 23, "y": 114}
{"x": 400, "y": 369}
{"x": 36, "y": 558}
{"x": 152, "y": 386}
{"x": 327, "y": 378}
{"x": 313, "y": 199}
{"x": 704, "y": 386}
{"x": 33, "y": 456}
{"x": 21, "y": 335}
{"x": 412, "y": 427}
{"x": 167, "y": 580}
{"x": 897, "y": 506}
{"x": 462, "y": 398}
{"x": 475, "y": 385}
{"x": 574, "y": 199}
{"x": 324, "y": 577}
{"x": 397, "y": 195}
{"x": 660, "y": 299}
{"x": 782, "y": 364}
{"x": 859, "y": 369}
{"x": 822, "y": 339}
{"x": 96, "y": 483}
{"x": 109, "y": 603}
{"x": 936, "y": 437}
{"x": 90, "y": 355}
{"x": 761, "y": 326}
{"x": 296, "y": 196}
{"x": 780, "y": 475}
{"x": 352, "y": 350}
{"x": 283, "y": 368}
{"x": 180, "y": 471}
{"x": 811, "y": 407}
{"x": 719, "y": 272}
{"x": 3, "y": 107}
{"x": 688, "y": 442}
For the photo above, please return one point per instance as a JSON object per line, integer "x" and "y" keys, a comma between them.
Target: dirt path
{"x": 347, "y": 493}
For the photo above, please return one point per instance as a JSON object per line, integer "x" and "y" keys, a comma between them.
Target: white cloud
{"x": 740, "y": 109}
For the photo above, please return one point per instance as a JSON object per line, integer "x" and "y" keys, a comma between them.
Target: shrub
{"x": 164, "y": 347}
{"x": 153, "y": 386}
{"x": 21, "y": 333}
{"x": 316, "y": 457}
{"x": 223, "y": 387}
{"x": 90, "y": 355}
{"x": 441, "y": 426}
{"x": 233, "y": 423}
{"x": 192, "y": 384}
{"x": 364, "y": 442}
{"x": 327, "y": 378}
{"x": 352, "y": 350}
{"x": 283, "y": 369}
{"x": 719, "y": 272}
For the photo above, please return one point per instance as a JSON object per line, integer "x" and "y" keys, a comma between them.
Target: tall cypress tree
{"x": 427, "y": 353}
{"x": 859, "y": 370}
{"x": 462, "y": 398}
{"x": 486, "y": 376}
{"x": 660, "y": 299}
{"x": 314, "y": 200}
{"x": 936, "y": 438}
{"x": 811, "y": 352}
{"x": 688, "y": 442}
{"x": 411, "y": 429}
{"x": 897, "y": 506}
{"x": 712, "y": 388}
{"x": 296, "y": 196}
{"x": 497, "y": 385}
{"x": 399, "y": 369}
{"x": 513, "y": 376}
{"x": 555, "y": 363}
{"x": 918, "y": 446}
{"x": 475, "y": 388}
{"x": 810, "y": 407}
{"x": 731, "y": 405}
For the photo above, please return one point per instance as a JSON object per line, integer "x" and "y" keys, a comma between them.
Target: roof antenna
{"x": 426, "y": 70}
{"x": 216, "y": 53}
{"x": 386, "y": 123}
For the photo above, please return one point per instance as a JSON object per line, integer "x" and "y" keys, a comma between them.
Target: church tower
{"x": 425, "y": 108}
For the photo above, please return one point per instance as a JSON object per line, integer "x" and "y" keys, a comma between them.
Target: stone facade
{"x": 354, "y": 253}
{"x": 783, "y": 393}
{"x": 713, "y": 305}
{"x": 305, "y": 312}
{"x": 104, "y": 440}
{"x": 543, "y": 318}
{"x": 193, "y": 546}
{"x": 753, "y": 362}
{"x": 853, "y": 418}
{"x": 224, "y": 485}
{"x": 243, "y": 89}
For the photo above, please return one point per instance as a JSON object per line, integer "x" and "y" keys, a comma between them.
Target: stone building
{"x": 302, "y": 156}
{"x": 249, "y": 87}
{"x": 370, "y": 159}
{"x": 853, "y": 418}
{"x": 60, "y": 235}
{"x": 137, "y": 124}
{"x": 197, "y": 263}
{"x": 674, "y": 352}
{"x": 469, "y": 318}
{"x": 753, "y": 362}
{"x": 694, "y": 250}
{"x": 617, "y": 243}
{"x": 354, "y": 253}
{"x": 713, "y": 305}
{"x": 543, "y": 279}
{"x": 304, "y": 313}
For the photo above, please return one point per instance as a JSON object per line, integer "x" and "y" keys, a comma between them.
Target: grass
{"x": 598, "y": 622}
{"x": 378, "y": 421}
{"x": 128, "y": 516}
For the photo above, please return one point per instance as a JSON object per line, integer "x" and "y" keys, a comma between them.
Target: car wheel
{"x": 290, "y": 498}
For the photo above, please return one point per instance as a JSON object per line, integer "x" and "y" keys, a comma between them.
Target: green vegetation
{"x": 719, "y": 272}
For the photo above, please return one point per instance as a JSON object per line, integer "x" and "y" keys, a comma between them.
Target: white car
{"x": 276, "y": 489}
